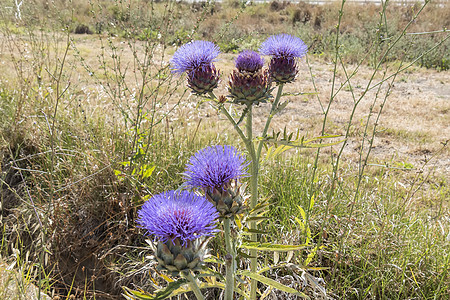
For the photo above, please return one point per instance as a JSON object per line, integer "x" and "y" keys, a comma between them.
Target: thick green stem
{"x": 194, "y": 286}
{"x": 230, "y": 259}
{"x": 254, "y": 168}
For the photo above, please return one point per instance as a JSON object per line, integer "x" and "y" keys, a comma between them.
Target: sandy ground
{"x": 12, "y": 285}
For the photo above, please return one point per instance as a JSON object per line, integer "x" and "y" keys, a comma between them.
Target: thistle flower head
{"x": 285, "y": 49}
{"x": 249, "y": 61}
{"x": 178, "y": 215}
{"x": 194, "y": 55}
{"x": 215, "y": 167}
{"x": 284, "y": 45}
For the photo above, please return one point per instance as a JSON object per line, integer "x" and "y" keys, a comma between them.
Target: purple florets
{"x": 194, "y": 55}
{"x": 215, "y": 167}
{"x": 182, "y": 215}
{"x": 284, "y": 45}
{"x": 249, "y": 61}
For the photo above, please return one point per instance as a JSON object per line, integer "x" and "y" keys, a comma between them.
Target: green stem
{"x": 194, "y": 286}
{"x": 269, "y": 119}
{"x": 254, "y": 168}
{"x": 232, "y": 121}
{"x": 229, "y": 260}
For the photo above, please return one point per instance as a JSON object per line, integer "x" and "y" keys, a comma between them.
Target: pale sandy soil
{"x": 13, "y": 287}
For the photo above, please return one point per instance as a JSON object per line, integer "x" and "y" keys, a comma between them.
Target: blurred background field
{"x": 92, "y": 120}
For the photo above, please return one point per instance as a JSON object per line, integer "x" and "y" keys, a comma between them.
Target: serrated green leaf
{"x": 272, "y": 283}
{"x": 278, "y": 151}
{"x": 259, "y": 208}
{"x": 302, "y": 212}
{"x": 213, "y": 259}
{"x": 244, "y": 255}
{"x": 311, "y": 203}
{"x": 280, "y": 107}
{"x": 271, "y": 247}
{"x": 310, "y": 256}
{"x": 147, "y": 171}
{"x": 132, "y": 294}
{"x": 171, "y": 287}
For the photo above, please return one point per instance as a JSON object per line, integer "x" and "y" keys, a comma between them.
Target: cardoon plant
{"x": 285, "y": 51}
{"x": 196, "y": 59}
{"x": 181, "y": 223}
{"x": 217, "y": 170}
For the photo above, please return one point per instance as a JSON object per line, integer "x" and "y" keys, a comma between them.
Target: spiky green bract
{"x": 176, "y": 258}
{"x": 214, "y": 167}
{"x": 203, "y": 79}
{"x": 250, "y": 87}
{"x": 285, "y": 50}
{"x": 249, "y": 61}
{"x": 249, "y": 84}
{"x": 181, "y": 215}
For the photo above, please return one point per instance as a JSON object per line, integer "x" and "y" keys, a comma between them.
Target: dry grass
{"x": 13, "y": 287}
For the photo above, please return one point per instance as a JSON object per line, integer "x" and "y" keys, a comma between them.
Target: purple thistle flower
{"x": 194, "y": 55}
{"x": 249, "y": 61}
{"x": 215, "y": 167}
{"x": 183, "y": 215}
{"x": 284, "y": 45}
